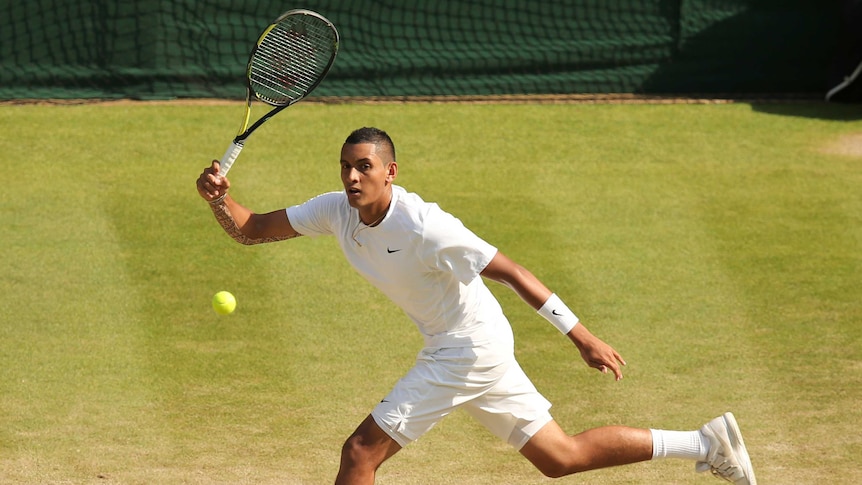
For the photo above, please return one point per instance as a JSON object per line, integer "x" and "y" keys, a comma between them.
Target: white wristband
{"x": 556, "y": 312}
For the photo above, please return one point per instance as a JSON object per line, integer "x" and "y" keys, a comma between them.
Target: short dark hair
{"x": 372, "y": 135}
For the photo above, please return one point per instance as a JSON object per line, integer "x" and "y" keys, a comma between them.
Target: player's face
{"x": 366, "y": 177}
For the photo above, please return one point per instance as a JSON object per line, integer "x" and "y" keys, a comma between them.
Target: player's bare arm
{"x": 511, "y": 274}
{"x": 595, "y": 352}
{"x": 240, "y": 223}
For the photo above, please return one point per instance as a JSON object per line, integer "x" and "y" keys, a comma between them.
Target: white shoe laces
{"x": 727, "y": 470}
{"x": 721, "y": 460}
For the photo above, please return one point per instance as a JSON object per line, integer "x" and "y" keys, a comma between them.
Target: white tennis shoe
{"x": 727, "y": 457}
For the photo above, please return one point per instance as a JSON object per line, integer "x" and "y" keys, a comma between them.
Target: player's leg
{"x": 417, "y": 402}
{"x": 717, "y": 447}
{"x": 557, "y": 454}
{"x": 363, "y": 453}
{"x": 517, "y": 413}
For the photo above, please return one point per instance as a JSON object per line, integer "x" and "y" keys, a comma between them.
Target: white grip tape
{"x": 229, "y": 157}
{"x": 556, "y": 312}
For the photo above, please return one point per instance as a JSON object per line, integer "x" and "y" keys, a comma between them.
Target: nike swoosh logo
{"x": 555, "y": 312}
{"x": 390, "y": 251}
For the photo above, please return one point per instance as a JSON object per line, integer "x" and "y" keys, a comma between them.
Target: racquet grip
{"x": 229, "y": 157}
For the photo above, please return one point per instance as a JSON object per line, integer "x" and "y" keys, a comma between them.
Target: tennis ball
{"x": 224, "y": 303}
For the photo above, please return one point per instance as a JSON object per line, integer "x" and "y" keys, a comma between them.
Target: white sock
{"x": 692, "y": 445}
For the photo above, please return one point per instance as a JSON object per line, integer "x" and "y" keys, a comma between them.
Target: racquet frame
{"x": 245, "y": 131}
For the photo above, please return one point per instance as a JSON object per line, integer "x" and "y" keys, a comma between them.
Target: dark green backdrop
{"x": 164, "y": 49}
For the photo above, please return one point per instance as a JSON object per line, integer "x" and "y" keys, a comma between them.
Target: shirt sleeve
{"x": 449, "y": 246}
{"x": 316, "y": 216}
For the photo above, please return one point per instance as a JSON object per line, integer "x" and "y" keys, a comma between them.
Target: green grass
{"x": 718, "y": 248}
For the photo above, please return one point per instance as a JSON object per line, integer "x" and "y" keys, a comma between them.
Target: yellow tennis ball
{"x": 224, "y": 303}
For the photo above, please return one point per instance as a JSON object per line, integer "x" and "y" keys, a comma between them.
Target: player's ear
{"x": 391, "y": 171}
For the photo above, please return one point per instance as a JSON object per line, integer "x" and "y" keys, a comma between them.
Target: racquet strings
{"x": 291, "y": 58}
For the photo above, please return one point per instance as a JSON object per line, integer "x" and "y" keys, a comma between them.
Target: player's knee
{"x": 557, "y": 464}
{"x": 351, "y": 451}
{"x": 355, "y": 454}
{"x": 555, "y": 469}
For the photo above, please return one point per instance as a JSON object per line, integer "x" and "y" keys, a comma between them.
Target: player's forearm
{"x": 235, "y": 220}
{"x": 529, "y": 288}
{"x": 520, "y": 280}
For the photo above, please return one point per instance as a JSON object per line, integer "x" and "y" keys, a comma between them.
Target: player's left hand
{"x": 596, "y": 353}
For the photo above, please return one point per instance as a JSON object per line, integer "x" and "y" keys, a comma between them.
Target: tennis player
{"x": 429, "y": 264}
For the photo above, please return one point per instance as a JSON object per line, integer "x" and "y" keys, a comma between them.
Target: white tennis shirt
{"x": 421, "y": 257}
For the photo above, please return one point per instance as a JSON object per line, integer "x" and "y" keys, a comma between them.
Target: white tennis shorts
{"x": 487, "y": 383}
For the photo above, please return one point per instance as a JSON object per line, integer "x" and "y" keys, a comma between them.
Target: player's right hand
{"x": 211, "y": 184}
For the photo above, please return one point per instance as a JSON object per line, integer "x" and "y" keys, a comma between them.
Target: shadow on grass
{"x": 819, "y": 110}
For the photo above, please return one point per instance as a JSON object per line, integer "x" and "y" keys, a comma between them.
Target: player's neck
{"x": 374, "y": 215}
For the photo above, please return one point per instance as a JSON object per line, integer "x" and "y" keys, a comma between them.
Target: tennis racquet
{"x": 288, "y": 61}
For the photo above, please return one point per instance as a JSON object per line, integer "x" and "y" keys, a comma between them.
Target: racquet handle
{"x": 229, "y": 157}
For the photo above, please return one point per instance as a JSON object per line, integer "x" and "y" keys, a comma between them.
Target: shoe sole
{"x": 739, "y": 448}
